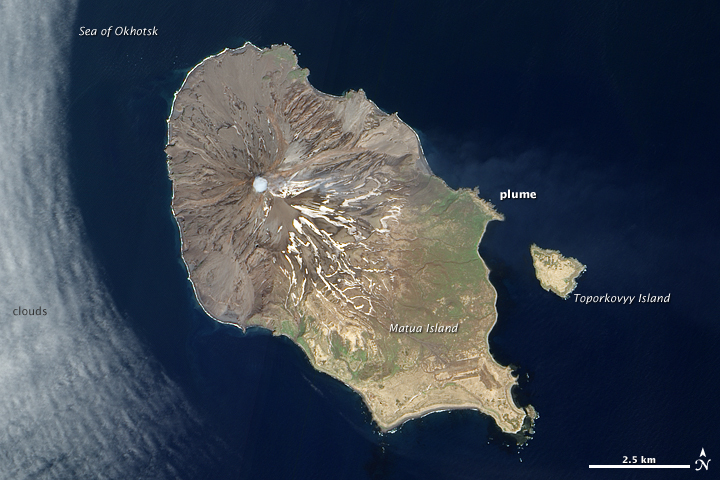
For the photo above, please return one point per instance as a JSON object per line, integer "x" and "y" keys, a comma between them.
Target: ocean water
{"x": 608, "y": 112}
{"x": 80, "y": 395}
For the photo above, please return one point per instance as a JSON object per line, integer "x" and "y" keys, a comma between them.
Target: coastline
{"x": 555, "y": 272}
{"x": 485, "y": 206}
{"x": 392, "y": 427}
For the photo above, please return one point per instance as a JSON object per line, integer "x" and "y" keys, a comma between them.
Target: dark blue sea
{"x": 609, "y": 111}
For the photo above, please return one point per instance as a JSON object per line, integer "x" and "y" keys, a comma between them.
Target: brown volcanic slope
{"x": 352, "y": 244}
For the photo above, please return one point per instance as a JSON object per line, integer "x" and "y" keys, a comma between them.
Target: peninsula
{"x": 317, "y": 217}
{"x": 555, "y": 272}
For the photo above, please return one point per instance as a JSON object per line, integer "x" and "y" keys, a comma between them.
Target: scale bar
{"x": 639, "y": 466}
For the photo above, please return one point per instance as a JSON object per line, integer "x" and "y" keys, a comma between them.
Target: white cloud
{"x": 79, "y": 397}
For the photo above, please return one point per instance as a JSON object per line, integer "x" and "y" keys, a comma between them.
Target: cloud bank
{"x": 80, "y": 398}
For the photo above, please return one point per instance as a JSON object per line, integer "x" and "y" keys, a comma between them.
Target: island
{"x": 318, "y": 218}
{"x": 555, "y": 272}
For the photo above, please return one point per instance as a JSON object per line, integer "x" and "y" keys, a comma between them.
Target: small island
{"x": 318, "y": 218}
{"x": 556, "y": 273}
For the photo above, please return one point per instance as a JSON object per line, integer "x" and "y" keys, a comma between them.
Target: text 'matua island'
{"x": 555, "y": 272}
{"x": 318, "y": 218}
